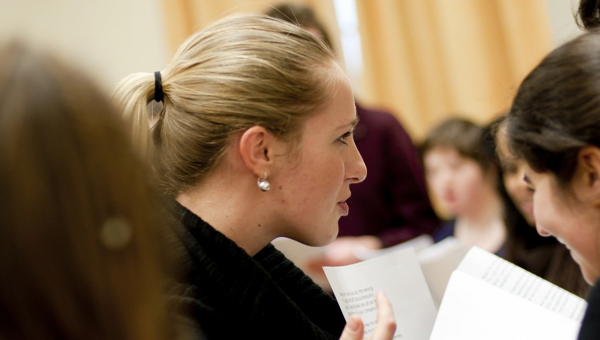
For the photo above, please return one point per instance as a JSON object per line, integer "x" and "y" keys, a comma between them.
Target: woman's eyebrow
{"x": 350, "y": 125}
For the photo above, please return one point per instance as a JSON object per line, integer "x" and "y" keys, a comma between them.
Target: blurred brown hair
{"x": 467, "y": 138}
{"x": 300, "y": 15}
{"x": 79, "y": 252}
{"x": 556, "y": 111}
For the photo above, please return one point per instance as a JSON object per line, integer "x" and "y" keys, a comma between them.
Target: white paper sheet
{"x": 438, "y": 261}
{"x": 417, "y": 243}
{"x": 474, "y": 310}
{"x": 398, "y": 274}
{"x": 516, "y": 280}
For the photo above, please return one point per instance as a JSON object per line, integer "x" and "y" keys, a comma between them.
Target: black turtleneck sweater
{"x": 234, "y": 296}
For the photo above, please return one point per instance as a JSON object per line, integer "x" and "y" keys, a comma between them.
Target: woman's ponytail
{"x": 133, "y": 95}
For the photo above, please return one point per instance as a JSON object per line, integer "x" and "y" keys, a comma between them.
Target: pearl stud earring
{"x": 263, "y": 184}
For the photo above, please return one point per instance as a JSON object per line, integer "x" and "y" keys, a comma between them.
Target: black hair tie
{"x": 158, "y": 91}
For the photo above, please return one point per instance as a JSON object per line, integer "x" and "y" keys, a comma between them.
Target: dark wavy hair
{"x": 543, "y": 256}
{"x": 521, "y": 235}
{"x": 556, "y": 111}
{"x": 588, "y": 14}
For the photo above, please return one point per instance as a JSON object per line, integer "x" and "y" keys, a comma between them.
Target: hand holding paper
{"x": 486, "y": 297}
{"x": 399, "y": 276}
{"x": 386, "y": 323}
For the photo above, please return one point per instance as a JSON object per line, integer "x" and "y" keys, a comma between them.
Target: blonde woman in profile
{"x": 81, "y": 252}
{"x": 254, "y": 142}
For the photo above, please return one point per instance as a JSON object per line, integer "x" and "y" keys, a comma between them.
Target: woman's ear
{"x": 587, "y": 175}
{"x": 256, "y": 149}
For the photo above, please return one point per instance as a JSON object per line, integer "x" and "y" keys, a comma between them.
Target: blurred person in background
{"x": 462, "y": 174}
{"x": 82, "y": 255}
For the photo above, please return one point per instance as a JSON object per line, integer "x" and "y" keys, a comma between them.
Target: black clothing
{"x": 234, "y": 296}
{"x": 590, "y": 327}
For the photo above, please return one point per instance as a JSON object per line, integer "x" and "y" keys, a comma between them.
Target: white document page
{"x": 438, "y": 261}
{"x": 475, "y": 310}
{"x": 417, "y": 243}
{"x": 399, "y": 276}
{"x": 514, "y": 279}
{"x": 296, "y": 251}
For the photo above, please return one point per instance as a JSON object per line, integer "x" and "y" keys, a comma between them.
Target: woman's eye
{"x": 343, "y": 137}
{"x": 530, "y": 189}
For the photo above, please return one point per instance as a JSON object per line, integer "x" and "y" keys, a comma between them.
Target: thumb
{"x": 354, "y": 329}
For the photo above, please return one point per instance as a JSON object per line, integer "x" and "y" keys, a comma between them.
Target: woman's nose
{"x": 541, "y": 230}
{"x": 356, "y": 170}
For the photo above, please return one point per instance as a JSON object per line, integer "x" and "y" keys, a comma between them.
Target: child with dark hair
{"x": 462, "y": 175}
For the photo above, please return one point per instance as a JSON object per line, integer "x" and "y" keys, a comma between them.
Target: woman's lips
{"x": 527, "y": 206}
{"x": 345, "y": 208}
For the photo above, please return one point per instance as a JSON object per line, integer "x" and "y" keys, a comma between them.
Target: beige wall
{"x": 113, "y": 38}
{"x": 562, "y": 20}
{"x": 110, "y": 38}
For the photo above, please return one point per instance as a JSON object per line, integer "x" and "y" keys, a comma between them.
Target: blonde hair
{"x": 242, "y": 71}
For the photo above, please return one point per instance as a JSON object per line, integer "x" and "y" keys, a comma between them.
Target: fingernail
{"x": 353, "y": 324}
